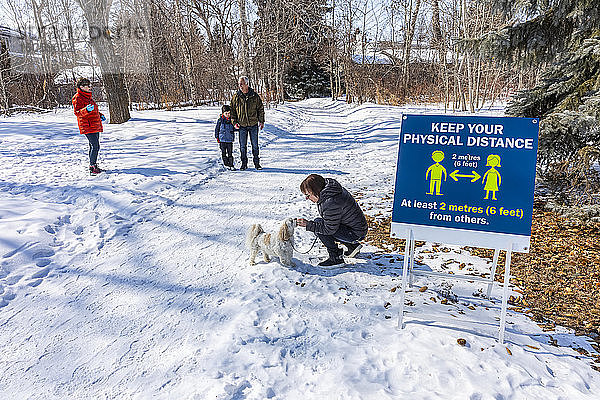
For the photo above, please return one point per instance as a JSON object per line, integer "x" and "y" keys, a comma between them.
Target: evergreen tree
{"x": 306, "y": 79}
{"x": 292, "y": 39}
{"x": 563, "y": 36}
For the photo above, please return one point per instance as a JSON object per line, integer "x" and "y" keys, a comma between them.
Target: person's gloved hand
{"x": 90, "y": 107}
{"x": 102, "y": 118}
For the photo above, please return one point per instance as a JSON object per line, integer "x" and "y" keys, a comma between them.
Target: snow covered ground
{"x": 136, "y": 284}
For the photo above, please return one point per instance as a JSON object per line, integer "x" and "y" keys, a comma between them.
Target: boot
{"x": 331, "y": 262}
{"x": 352, "y": 249}
{"x": 94, "y": 170}
{"x": 335, "y": 258}
{"x": 244, "y": 166}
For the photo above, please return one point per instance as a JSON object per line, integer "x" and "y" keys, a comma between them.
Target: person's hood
{"x": 332, "y": 188}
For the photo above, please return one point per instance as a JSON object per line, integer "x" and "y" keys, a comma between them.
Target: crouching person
{"x": 341, "y": 220}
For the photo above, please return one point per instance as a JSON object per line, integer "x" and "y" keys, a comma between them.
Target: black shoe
{"x": 94, "y": 170}
{"x": 257, "y": 166}
{"x": 243, "y": 167}
{"x": 331, "y": 262}
{"x": 352, "y": 249}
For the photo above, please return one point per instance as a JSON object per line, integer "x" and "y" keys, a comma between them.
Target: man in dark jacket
{"x": 247, "y": 114}
{"x": 341, "y": 219}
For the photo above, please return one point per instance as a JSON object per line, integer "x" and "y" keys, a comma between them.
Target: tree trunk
{"x": 410, "y": 33}
{"x": 440, "y": 45}
{"x": 96, "y": 14}
{"x": 349, "y": 46}
{"x": 331, "y": 51}
{"x": 48, "y": 100}
{"x": 244, "y": 38}
{"x": 185, "y": 47}
{"x": 331, "y": 78}
{"x": 4, "y": 76}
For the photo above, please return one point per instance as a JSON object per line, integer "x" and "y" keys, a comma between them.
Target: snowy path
{"x": 136, "y": 284}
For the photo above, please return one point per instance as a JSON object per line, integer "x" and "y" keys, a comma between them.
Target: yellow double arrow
{"x": 455, "y": 175}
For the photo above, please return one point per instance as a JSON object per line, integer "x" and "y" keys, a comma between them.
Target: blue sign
{"x": 462, "y": 174}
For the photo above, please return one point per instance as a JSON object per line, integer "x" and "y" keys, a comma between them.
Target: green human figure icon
{"x": 435, "y": 173}
{"x": 492, "y": 179}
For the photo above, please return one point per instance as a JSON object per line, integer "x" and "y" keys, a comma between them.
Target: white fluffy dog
{"x": 271, "y": 245}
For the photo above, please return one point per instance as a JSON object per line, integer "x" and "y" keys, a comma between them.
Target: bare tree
{"x": 412, "y": 13}
{"x": 215, "y": 19}
{"x": 4, "y": 76}
{"x": 96, "y": 13}
{"x": 245, "y": 41}
{"x": 439, "y": 44}
{"x": 193, "y": 50}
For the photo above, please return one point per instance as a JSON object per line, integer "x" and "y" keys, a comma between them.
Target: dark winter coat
{"x": 337, "y": 207}
{"x": 224, "y": 130}
{"x": 88, "y": 121}
{"x": 247, "y": 109}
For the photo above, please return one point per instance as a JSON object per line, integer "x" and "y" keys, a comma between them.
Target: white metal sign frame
{"x": 408, "y": 271}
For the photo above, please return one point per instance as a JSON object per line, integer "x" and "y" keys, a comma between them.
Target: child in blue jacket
{"x": 224, "y": 134}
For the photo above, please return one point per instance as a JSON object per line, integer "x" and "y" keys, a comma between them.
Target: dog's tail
{"x": 253, "y": 232}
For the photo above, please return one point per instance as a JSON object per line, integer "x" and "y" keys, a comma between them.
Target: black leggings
{"x": 226, "y": 153}
{"x": 344, "y": 234}
{"x": 94, "y": 139}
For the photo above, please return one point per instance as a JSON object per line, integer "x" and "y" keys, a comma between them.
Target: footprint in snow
{"x": 11, "y": 280}
{"x": 43, "y": 253}
{"x": 63, "y": 220}
{"x": 6, "y": 298}
{"x": 42, "y": 273}
{"x": 35, "y": 283}
{"x": 22, "y": 247}
{"x": 42, "y": 262}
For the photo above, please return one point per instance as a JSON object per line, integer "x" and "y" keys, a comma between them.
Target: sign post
{"x": 465, "y": 180}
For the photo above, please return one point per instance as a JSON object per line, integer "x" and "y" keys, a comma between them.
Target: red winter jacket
{"x": 88, "y": 121}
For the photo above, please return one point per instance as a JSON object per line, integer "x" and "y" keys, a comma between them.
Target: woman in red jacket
{"x": 89, "y": 120}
